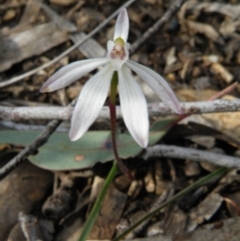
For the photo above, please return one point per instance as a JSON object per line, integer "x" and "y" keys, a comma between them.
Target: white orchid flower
{"x": 95, "y": 91}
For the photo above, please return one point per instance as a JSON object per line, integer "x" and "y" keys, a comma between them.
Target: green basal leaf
{"x": 59, "y": 153}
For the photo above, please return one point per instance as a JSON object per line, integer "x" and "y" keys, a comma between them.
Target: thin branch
{"x": 191, "y": 154}
{"x": 41, "y": 139}
{"x": 155, "y": 109}
{"x": 200, "y": 107}
{"x": 26, "y": 127}
{"x": 166, "y": 17}
{"x": 59, "y": 57}
{"x": 225, "y": 91}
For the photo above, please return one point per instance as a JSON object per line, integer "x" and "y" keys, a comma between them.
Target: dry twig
{"x": 155, "y": 109}
{"x": 166, "y": 17}
{"x": 191, "y": 154}
{"x": 42, "y": 138}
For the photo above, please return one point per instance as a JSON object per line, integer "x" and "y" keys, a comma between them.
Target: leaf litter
{"x": 198, "y": 52}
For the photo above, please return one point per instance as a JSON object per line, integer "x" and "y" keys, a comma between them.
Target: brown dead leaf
{"x": 232, "y": 48}
{"x": 30, "y": 228}
{"x": 88, "y": 18}
{"x": 219, "y": 69}
{"x": 149, "y": 181}
{"x": 175, "y": 221}
{"x": 229, "y": 10}
{"x": 206, "y": 29}
{"x": 110, "y": 213}
{"x": 4, "y": 147}
{"x": 161, "y": 184}
{"x": 227, "y": 123}
{"x": 20, "y": 190}
{"x": 135, "y": 188}
{"x": 218, "y": 231}
{"x": 9, "y": 15}
{"x": 225, "y": 230}
{"x": 29, "y": 43}
{"x": 194, "y": 95}
{"x": 171, "y": 56}
{"x": 232, "y": 201}
{"x": 30, "y": 14}
{"x": 192, "y": 169}
{"x": 204, "y": 211}
{"x": 228, "y": 28}
{"x": 187, "y": 67}
{"x": 63, "y": 2}
{"x": 72, "y": 232}
{"x": 198, "y": 7}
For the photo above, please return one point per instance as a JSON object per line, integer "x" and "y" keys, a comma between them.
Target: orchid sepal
{"x": 71, "y": 72}
{"x": 122, "y": 26}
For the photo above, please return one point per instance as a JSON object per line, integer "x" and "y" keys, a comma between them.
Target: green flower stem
{"x": 221, "y": 171}
{"x": 112, "y": 108}
{"x": 113, "y": 89}
{"x": 97, "y": 205}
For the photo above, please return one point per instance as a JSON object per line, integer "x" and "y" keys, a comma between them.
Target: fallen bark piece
{"x": 29, "y": 43}
{"x": 204, "y": 211}
{"x": 19, "y": 192}
{"x": 30, "y": 228}
{"x": 219, "y": 231}
{"x": 62, "y": 200}
{"x": 109, "y": 215}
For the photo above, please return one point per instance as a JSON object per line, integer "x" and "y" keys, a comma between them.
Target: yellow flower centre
{"x": 118, "y": 51}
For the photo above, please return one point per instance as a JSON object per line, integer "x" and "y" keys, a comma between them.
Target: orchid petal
{"x": 122, "y": 26}
{"x": 133, "y": 107}
{"x": 110, "y": 46}
{"x": 90, "y": 102}
{"x": 158, "y": 84}
{"x": 71, "y": 72}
